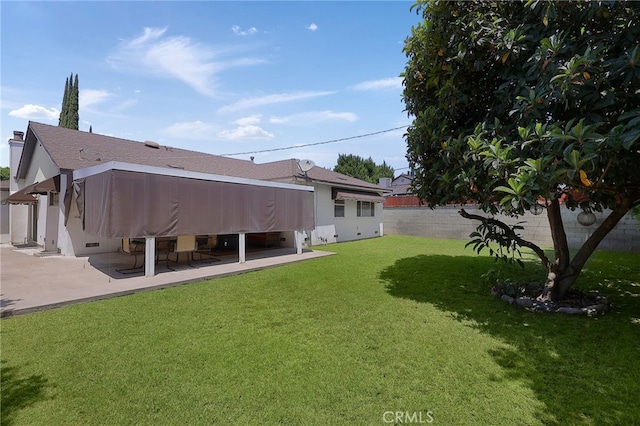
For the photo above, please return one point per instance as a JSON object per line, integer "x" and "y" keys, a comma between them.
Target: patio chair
{"x": 133, "y": 247}
{"x": 204, "y": 248}
{"x": 183, "y": 244}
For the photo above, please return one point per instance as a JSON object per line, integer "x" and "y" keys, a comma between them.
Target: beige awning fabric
{"x": 345, "y": 194}
{"x": 127, "y": 204}
{"x": 26, "y": 194}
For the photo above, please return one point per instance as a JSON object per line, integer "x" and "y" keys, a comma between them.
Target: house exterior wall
{"x": 41, "y": 168}
{"x": 41, "y": 227}
{"x": 19, "y": 215}
{"x": 445, "y": 222}
{"x": 287, "y": 239}
{"x": 347, "y": 228}
{"x": 5, "y": 235}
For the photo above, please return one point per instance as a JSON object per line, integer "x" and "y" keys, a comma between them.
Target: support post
{"x": 298, "y": 237}
{"x": 150, "y": 257}
{"x": 242, "y": 250}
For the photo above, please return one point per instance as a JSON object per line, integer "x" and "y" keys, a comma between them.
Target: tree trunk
{"x": 562, "y": 273}
{"x": 557, "y": 268}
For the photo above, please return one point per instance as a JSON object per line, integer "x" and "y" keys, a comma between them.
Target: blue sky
{"x": 215, "y": 77}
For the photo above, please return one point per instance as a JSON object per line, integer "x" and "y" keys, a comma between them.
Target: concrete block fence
{"x": 445, "y": 222}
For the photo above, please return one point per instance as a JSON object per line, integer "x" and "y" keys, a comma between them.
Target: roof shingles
{"x": 73, "y": 149}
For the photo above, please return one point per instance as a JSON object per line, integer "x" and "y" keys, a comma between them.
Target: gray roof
{"x": 288, "y": 170}
{"x": 72, "y": 149}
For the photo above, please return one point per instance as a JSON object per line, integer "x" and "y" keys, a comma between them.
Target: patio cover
{"x": 126, "y": 204}
{"x": 345, "y": 194}
{"x": 25, "y": 195}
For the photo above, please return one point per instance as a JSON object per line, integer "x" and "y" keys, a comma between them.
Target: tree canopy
{"x": 69, "y": 115}
{"x": 367, "y": 170}
{"x": 5, "y": 173}
{"x": 517, "y": 105}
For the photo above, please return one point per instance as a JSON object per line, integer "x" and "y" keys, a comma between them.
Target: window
{"x": 366, "y": 209}
{"x": 338, "y": 208}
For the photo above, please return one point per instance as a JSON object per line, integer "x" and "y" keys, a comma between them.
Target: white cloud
{"x": 91, "y": 97}
{"x": 237, "y": 30}
{"x": 312, "y": 27}
{"x": 179, "y": 57}
{"x": 385, "y": 83}
{"x": 35, "y": 112}
{"x": 272, "y": 99}
{"x": 252, "y": 119}
{"x": 190, "y": 130}
{"x": 125, "y": 105}
{"x": 246, "y": 132}
{"x": 304, "y": 118}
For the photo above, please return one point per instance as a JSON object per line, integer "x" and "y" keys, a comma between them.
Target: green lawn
{"x": 394, "y": 324}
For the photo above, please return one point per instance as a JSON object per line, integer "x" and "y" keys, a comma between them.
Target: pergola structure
{"x": 122, "y": 200}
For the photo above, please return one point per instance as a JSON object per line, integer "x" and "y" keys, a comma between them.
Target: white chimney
{"x": 16, "y": 144}
{"x": 384, "y": 182}
{"x": 18, "y": 214}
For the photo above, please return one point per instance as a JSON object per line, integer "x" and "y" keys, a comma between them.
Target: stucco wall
{"x": 445, "y": 222}
{"x": 5, "y": 237}
{"x": 19, "y": 220}
{"x": 350, "y": 227}
{"x": 41, "y": 228}
{"x": 22, "y": 228}
{"x": 42, "y": 167}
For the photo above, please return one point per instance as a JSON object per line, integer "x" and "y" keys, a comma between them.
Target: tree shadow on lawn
{"x": 18, "y": 392}
{"x": 586, "y": 370}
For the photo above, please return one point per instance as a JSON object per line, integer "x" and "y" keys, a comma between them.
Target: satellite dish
{"x": 306, "y": 165}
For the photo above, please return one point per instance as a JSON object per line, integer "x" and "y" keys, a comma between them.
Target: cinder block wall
{"x": 445, "y": 222}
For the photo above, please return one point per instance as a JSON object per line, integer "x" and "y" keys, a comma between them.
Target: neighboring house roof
{"x": 4, "y": 184}
{"x": 401, "y": 185}
{"x": 400, "y": 190}
{"x": 72, "y": 150}
{"x": 403, "y": 176}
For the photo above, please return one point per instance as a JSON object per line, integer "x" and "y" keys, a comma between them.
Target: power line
{"x": 315, "y": 143}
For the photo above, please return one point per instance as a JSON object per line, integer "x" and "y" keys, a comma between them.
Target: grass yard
{"x": 394, "y": 324}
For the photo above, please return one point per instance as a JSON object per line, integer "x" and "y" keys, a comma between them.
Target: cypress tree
{"x": 62, "y": 121}
{"x": 69, "y": 115}
{"x": 74, "y": 115}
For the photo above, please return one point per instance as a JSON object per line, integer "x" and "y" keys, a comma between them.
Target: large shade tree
{"x": 527, "y": 106}
{"x": 367, "y": 170}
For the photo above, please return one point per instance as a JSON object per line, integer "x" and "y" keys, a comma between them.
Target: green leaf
{"x": 573, "y": 158}
{"x": 505, "y": 189}
{"x": 630, "y": 138}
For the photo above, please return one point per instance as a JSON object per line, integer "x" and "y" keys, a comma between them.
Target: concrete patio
{"x": 30, "y": 282}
